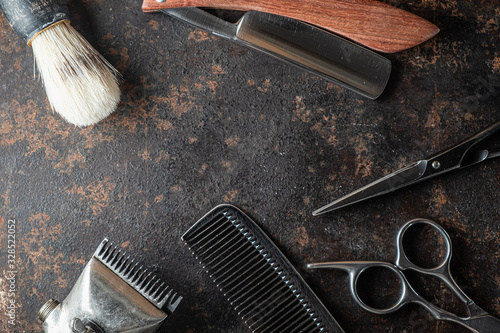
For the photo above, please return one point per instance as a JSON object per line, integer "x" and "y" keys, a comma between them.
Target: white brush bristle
{"x": 81, "y": 85}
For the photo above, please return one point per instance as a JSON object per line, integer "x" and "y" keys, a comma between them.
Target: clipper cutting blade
{"x": 144, "y": 282}
{"x": 113, "y": 294}
{"x": 257, "y": 279}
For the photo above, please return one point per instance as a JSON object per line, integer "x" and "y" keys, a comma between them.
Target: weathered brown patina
{"x": 203, "y": 121}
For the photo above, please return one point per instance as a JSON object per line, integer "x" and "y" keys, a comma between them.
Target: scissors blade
{"x": 482, "y": 324}
{"x": 459, "y": 156}
{"x": 389, "y": 183}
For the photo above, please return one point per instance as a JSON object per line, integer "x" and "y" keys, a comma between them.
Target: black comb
{"x": 257, "y": 279}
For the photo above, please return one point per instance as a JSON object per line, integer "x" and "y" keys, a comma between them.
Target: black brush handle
{"x": 29, "y": 17}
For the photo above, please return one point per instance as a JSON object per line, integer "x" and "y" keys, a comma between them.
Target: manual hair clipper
{"x": 113, "y": 294}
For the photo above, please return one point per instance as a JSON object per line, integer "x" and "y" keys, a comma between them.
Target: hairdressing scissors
{"x": 478, "y": 320}
{"x": 469, "y": 152}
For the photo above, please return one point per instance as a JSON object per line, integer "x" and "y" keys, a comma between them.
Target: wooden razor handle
{"x": 371, "y": 23}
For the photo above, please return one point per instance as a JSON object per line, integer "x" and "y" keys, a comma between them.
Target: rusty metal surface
{"x": 203, "y": 121}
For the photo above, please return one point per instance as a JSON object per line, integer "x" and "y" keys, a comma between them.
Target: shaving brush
{"x": 81, "y": 85}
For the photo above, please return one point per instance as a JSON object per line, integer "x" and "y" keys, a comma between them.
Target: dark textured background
{"x": 203, "y": 121}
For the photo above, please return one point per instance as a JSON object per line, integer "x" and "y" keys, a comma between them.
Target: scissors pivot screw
{"x": 436, "y": 164}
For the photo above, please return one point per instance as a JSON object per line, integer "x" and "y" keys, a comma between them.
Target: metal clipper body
{"x": 112, "y": 294}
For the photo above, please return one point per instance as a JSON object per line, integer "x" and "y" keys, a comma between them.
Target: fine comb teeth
{"x": 144, "y": 282}
{"x": 256, "y": 278}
